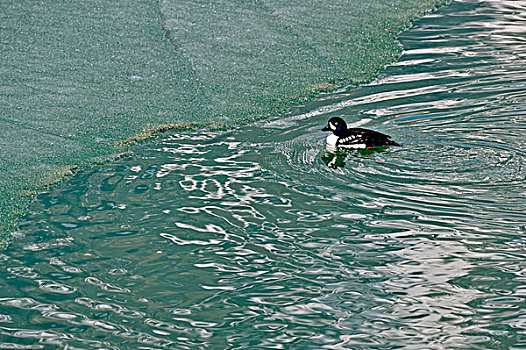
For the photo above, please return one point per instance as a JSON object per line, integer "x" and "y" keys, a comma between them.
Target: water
{"x": 246, "y": 239}
{"x": 81, "y": 78}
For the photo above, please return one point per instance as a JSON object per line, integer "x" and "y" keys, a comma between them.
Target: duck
{"x": 354, "y": 138}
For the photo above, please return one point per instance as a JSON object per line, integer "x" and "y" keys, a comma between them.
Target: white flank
{"x": 333, "y": 139}
{"x": 354, "y": 146}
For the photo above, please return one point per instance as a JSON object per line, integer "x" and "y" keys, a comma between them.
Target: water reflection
{"x": 247, "y": 240}
{"x": 335, "y": 158}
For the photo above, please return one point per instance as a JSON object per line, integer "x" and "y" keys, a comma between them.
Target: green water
{"x": 81, "y": 77}
{"x": 246, "y": 240}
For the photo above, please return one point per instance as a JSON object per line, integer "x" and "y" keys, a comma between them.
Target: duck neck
{"x": 339, "y": 133}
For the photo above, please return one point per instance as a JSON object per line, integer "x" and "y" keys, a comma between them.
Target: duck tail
{"x": 393, "y": 143}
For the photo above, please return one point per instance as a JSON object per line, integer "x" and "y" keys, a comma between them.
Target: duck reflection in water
{"x": 335, "y": 157}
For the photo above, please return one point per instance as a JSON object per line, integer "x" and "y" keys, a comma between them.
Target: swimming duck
{"x": 356, "y": 138}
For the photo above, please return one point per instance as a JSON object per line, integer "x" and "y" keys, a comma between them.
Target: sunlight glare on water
{"x": 245, "y": 239}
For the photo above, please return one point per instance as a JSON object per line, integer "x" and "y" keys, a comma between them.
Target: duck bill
{"x": 326, "y": 128}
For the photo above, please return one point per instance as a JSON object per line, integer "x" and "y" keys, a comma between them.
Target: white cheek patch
{"x": 332, "y": 126}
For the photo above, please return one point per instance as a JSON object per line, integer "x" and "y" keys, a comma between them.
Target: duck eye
{"x": 336, "y": 123}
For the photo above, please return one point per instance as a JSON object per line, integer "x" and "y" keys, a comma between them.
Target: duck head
{"x": 336, "y": 125}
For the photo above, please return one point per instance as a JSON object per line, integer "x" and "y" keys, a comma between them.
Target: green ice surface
{"x": 79, "y": 78}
